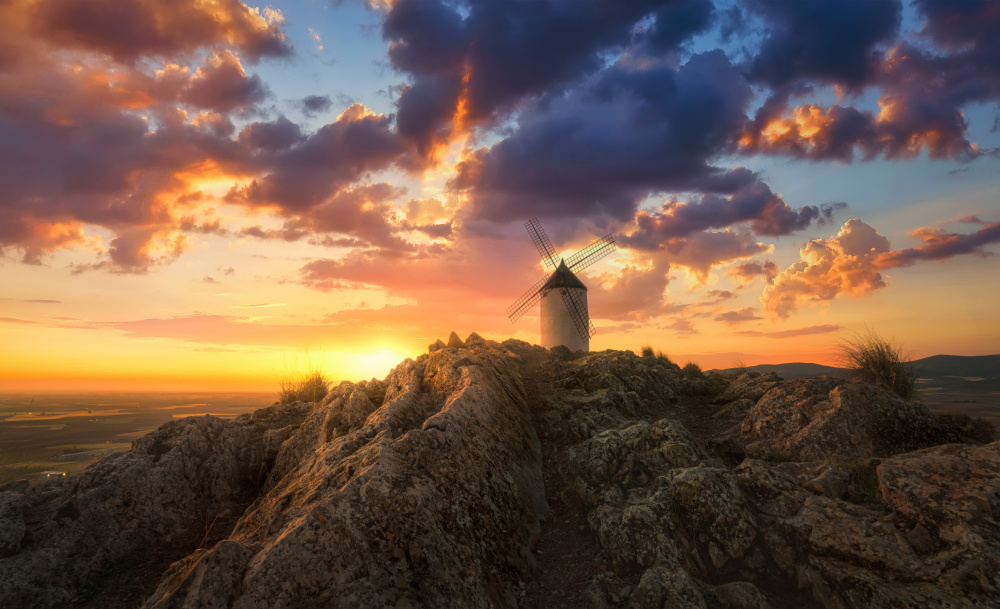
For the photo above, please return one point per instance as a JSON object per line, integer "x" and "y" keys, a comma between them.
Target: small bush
{"x": 647, "y": 351}
{"x": 692, "y": 370}
{"x": 872, "y": 359}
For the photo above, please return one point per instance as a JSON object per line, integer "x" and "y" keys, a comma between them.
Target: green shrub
{"x": 692, "y": 370}
{"x": 647, "y": 351}
{"x": 869, "y": 358}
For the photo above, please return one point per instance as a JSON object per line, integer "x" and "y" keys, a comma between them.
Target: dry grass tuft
{"x": 869, "y": 358}
{"x": 312, "y": 385}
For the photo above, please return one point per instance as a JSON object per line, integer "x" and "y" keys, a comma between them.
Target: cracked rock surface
{"x": 489, "y": 474}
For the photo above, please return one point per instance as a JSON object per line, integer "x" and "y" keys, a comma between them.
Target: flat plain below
{"x": 63, "y": 433}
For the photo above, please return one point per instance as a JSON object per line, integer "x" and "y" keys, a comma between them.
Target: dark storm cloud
{"x": 507, "y": 51}
{"x": 601, "y": 149}
{"x": 825, "y": 40}
{"x": 131, "y": 29}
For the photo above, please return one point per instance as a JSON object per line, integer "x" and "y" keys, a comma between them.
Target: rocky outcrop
{"x": 424, "y": 489}
{"x": 812, "y": 419}
{"x": 170, "y": 491}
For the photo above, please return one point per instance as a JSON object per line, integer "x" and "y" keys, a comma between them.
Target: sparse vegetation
{"x": 862, "y": 487}
{"x": 738, "y": 369}
{"x": 872, "y": 359}
{"x": 661, "y": 358}
{"x": 309, "y": 386}
{"x": 692, "y": 370}
{"x": 776, "y": 456}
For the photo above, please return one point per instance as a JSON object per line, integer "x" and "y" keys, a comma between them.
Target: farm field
{"x": 64, "y": 433}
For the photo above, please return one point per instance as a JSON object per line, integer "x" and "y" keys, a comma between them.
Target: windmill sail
{"x": 573, "y": 292}
{"x": 541, "y": 241}
{"x": 578, "y": 312}
{"x": 528, "y": 300}
{"x": 592, "y": 253}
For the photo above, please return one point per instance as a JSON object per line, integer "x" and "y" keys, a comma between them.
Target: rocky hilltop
{"x": 489, "y": 474}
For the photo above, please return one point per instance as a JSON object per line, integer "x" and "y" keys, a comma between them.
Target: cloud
{"x": 852, "y": 263}
{"x": 745, "y": 272}
{"x": 129, "y": 30}
{"x": 14, "y": 320}
{"x": 467, "y": 69}
{"x": 846, "y": 263}
{"x": 312, "y": 105}
{"x": 600, "y": 149}
{"x": 338, "y": 154}
{"x": 939, "y": 245}
{"x": 630, "y": 294}
{"x": 822, "y": 329}
{"x": 259, "y": 305}
{"x": 720, "y": 295}
{"x": 703, "y": 251}
{"x": 766, "y": 213}
{"x": 42, "y": 301}
{"x": 738, "y": 316}
{"x": 209, "y": 279}
{"x": 824, "y": 40}
{"x": 222, "y": 85}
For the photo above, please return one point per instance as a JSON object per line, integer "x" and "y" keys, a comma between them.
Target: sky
{"x": 212, "y": 195}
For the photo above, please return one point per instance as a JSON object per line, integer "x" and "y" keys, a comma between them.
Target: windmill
{"x": 565, "y": 319}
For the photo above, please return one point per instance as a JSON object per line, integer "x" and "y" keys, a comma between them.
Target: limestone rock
{"x": 748, "y": 386}
{"x": 454, "y": 342}
{"x": 435, "y": 501}
{"x": 434, "y": 346}
{"x": 666, "y": 587}
{"x": 176, "y": 483}
{"x": 814, "y": 419}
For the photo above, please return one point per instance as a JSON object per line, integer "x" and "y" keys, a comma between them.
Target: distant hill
{"x": 975, "y": 366}
{"x": 935, "y": 367}
{"x": 795, "y": 370}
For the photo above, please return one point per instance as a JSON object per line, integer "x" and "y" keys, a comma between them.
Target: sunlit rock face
{"x": 429, "y": 489}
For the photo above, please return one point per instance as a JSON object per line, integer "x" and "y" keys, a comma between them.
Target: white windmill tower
{"x": 565, "y": 319}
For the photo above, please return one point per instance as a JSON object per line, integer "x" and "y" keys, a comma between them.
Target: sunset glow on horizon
{"x": 215, "y": 196}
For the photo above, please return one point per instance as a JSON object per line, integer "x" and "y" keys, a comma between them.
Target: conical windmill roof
{"x": 563, "y": 278}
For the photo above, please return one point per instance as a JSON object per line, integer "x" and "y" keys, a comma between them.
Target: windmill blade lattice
{"x": 528, "y": 300}
{"x": 592, "y": 253}
{"x": 574, "y": 304}
{"x": 541, "y": 241}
